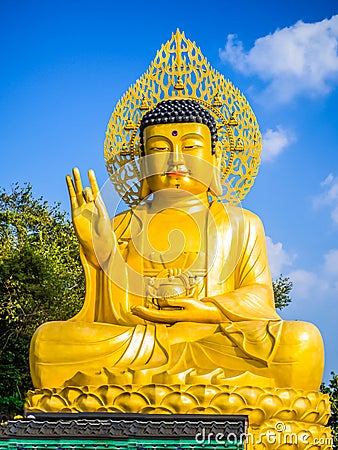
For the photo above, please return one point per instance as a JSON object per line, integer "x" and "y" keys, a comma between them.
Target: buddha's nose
{"x": 177, "y": 155}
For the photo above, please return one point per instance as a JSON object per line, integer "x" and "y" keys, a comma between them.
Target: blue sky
{"x": 64, "y": 65}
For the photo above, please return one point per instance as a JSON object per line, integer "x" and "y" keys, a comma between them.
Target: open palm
{"x": 90, "y": 218}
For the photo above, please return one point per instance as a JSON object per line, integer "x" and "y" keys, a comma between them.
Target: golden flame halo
{"x": 180, "y": 71}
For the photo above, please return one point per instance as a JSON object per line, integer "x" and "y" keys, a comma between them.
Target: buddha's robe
{"x": 106, "y": 343}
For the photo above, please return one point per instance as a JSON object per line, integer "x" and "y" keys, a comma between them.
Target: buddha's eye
{"x": 159, "y": 148}
{"x": 191, "y": 146}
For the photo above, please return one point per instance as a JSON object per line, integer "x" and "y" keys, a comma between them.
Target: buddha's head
{"x": 180, "y": 143}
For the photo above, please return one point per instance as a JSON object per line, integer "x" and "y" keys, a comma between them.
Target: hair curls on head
{"x": 179, "y": 111}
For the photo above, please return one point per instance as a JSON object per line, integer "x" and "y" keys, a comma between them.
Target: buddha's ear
{"x": 215, "y": 187}
{"x": 218, "y": 153}
{"x": 144, "y": 187}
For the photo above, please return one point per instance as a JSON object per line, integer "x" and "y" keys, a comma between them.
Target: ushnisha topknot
{"x": 179, "y": 111}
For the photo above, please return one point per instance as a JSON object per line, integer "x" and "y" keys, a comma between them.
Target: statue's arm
{"x": 90, "y": 219}
{"x": 252, "y": 297}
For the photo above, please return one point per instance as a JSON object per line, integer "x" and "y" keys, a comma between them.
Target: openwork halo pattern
{"x": 179, "y": 71}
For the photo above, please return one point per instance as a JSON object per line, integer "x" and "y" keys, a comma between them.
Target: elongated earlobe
{"x": 215, "y": 187}
{"x": 144, "y": 187}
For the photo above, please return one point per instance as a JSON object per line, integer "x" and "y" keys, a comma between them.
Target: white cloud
{"x": 298, "y": 59}
{"x": 307, "y": 285}
{"x": 278, "y": 257}
{"x": 331, "y": 263}
{"x": 274, "y": 142}
{"x": 328, "y": 196}
{"x": 304, "y": 284}
{"x": 328, "y": 180}
{"x": 334, "y": 214}
{"x": 319, "y": 284}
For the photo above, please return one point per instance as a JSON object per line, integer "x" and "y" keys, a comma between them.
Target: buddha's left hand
{"x": 191, "y": 310}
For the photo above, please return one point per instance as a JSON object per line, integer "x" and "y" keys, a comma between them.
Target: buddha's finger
{"x": 88, "y": 194}
{"x": 154, "y": 316}
{"x": 93, "y": 183}
{"x": 178, "y": 303}
{"x": 71, "y": 190}
{"x": 78, "y": 186}
{"x": 162, "y": 302}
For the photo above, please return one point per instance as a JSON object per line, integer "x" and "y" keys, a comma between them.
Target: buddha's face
{"x": 178, "y": 156}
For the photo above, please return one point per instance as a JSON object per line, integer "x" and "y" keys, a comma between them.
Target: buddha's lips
{"x": 178, "y": 173}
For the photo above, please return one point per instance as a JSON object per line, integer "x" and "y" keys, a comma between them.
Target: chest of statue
{"x": 170, "y": 238}
{"x": 169, "y": 249}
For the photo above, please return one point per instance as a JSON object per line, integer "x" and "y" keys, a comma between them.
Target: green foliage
{"x": 282, "y": 287}
{"x": 41, "y": 279}
{"x": 10, "y": 405}
{"x": 332, "y": 390}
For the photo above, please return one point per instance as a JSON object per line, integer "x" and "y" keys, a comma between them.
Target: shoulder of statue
{"x": 120, "y": 223}
{"x": 235, "y": 215}
{"x": 253, "y": 220}
{"x": 250, "y": 215}
{"x": 232, "y": 211}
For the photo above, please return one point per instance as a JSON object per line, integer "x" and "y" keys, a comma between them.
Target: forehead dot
{"x": 174, "y": 133}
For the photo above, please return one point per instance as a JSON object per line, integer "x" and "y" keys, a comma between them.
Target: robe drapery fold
{"x": 239, "y": 282}
{"x": 109, "y": 337}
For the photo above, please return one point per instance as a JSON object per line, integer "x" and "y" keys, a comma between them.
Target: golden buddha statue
{"x": 178, "y": 288}
{"x": 179, "y": 313}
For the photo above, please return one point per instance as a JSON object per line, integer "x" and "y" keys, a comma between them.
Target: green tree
{"x": 332, "y": 389}
{"x": 41, "y": 279}
{"x": 282, "y": 287}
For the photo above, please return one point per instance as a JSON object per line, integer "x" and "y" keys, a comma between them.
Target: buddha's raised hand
{"x": 90, "y": 218}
